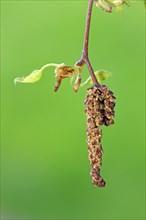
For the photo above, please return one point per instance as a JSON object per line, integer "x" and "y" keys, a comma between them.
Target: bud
{"x": 116, "y": 3}
{"x": 104, "y": 5}
{"x": 57, "y": 84}
{"x": 108, "y": 5}
{"x": 63, "y": 71}
{"x": 77, "y": 83}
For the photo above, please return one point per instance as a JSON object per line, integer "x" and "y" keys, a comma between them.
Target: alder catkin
{"x": 99, "y": 110}
{"x": 109, "y": 104}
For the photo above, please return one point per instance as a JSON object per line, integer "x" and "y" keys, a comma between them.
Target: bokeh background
{"x": 45, "y": 167}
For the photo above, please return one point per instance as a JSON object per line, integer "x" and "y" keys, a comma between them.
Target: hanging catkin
{"x": 99, "y": 110}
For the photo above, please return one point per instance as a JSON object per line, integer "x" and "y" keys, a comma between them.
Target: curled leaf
{"x": 31, "y": 78}
{"x": 35, "y": 75}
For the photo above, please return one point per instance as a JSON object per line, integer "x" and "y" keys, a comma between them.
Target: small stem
{"x": 87, "y": 30}
{"x": 94, "y": 79}
{"x": 84, "y": 57}
{"x": 48, "y": 65}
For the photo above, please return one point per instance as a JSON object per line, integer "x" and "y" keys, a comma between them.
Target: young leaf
{"x": 31, "y": 78}
{"x": 35, "y": 75}
{"x": 101, "y": 75}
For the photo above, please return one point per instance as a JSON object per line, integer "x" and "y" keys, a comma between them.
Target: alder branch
{"x": 84, "y": 57}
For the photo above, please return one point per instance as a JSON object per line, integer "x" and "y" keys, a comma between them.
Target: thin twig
{"x": 84, "y": 57}
{"x": 87, "y": 30}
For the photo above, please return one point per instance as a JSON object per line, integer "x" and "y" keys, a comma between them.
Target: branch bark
{"x": 84, "y": 57}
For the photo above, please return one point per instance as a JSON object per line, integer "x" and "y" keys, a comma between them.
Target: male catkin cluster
{"x": 99, "y": 103}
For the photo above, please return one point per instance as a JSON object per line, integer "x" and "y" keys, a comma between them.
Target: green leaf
{"x": 35, "y": 75}
{"x": 31, "y": 78}
{"x": 101, "y": 75}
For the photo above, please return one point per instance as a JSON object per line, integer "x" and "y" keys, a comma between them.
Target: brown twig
{"x": 84, "y": 57}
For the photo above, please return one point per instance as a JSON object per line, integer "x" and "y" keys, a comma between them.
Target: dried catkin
{"x": 99, "y": 110}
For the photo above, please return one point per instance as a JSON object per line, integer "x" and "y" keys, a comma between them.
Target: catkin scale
{"x": 99, "y": 110}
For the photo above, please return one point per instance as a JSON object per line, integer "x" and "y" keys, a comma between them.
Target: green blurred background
{"x": 45, "y": 167}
